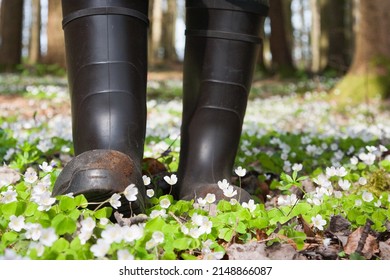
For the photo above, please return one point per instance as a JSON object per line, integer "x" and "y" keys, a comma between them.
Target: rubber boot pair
{"x": 106, "y": 46}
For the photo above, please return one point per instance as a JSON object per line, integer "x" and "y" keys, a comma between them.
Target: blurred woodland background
{"x": 339, "y": 38}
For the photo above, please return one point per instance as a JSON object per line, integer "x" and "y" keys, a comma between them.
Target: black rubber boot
{"x": 106, "y": 49}
{"x": 222, "y": 42}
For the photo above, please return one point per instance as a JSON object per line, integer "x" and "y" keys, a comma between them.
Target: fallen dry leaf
{"x": 370, "y": 246}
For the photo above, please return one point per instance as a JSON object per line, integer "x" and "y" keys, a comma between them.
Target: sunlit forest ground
{"x": 318, "y": 174}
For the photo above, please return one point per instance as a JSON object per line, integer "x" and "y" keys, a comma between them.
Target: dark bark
{"x": 11, "y": 24}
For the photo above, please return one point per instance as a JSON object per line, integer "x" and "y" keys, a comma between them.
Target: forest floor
{"x": 290, "y": 125}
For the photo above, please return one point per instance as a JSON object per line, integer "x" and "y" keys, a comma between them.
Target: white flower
{"x": 331, "y": 171}
{"x": 341, "y": 172}
{"x": 195, "y": 232}
{"x": 201, "y": 202}
{"x": 223, "y": 185}
{"x": 39, "y": 247}
{"x": 288, "y": 200}
{"x": 240, "y": 171}
{"x": 8, "y": 196}
{"x": 115, "y": 201}
{"x": 233, "y": 201}
{"x": 112, "y": 233}
{"x": 318, "y": 222}
{"x": 197, "y": 219}
{"x": 16, "y": 223}
{"x": 378, "y": 203}
{"x": 367, "y": 196}
{"x": 371, "y": 149}
{"x": 124, "y": 254}
{"x": 250, "y": 205}
{"x": 362, "y": 181}
{"x": 383, "y": 149}
{"x": 358, "y": 202}
{"x": 338, "y": 194}
{"x": 103, "y": 221}
{"x": 344, "y": 184}
{"x": 30, "y": 176}
{"x": 171, "y": 180}
{"x": 150, "y": 193}
{"x": 45, "y": 201}
{"x": 367, "y": 158}
{"x": 165, "y": 203}
{"x": 132, "y": 233}
{"x": 84, "y": 236}
{"x": 48, "y": 236}
{"x": 146, "y": 180}
{"x": 10, "y": 254}
{"x": 206, "y": 226}
{"x": 158, "y": 213}
{"x": 184, "y": 229}
{"x": 297, "y": 167}
{"x": 354, "y": 160}
{"x": 322, "y": 181}
{"x": 230, "y": 192}
{"x": 150, "y": 244}
{"x": 100, "y": 249}
{"x": 33, "y": 231}
{"x": 210, "y": 198}
{"x": 158, "y": 237}
{"x": 45, "y": 167}
{"x": 131, "y": 192}
{"x": 87, "y": 225}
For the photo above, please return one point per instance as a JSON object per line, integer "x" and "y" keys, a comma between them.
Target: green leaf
{"x": 224, "y": 206}
{"x": 64, "y": 224}
{"x": 9, "y": 237}
{"x": 81, "y": 201}
{"x": 67, "y": 203}
{"x": 155, "y": 224}
{"x": 103, "y": 213}
{"x": 30, "y": 209}
{"x": 60, "y": 245}
{"x": 186, "y": 256}
{"x": 16, "y": 208}
{"x": 258, "y": 223}
{"x": 226, "y": 234}
{"x": 300, "y": 208}
{"x": 182, "y": 243}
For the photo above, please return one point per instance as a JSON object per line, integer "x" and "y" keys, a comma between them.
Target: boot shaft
{"x": 106, "y": 48}
{"x": 222, "y": 43}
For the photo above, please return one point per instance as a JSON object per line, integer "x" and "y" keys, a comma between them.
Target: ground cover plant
{"x": 319, "y": 179}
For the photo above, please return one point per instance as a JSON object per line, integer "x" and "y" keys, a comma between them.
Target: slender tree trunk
{"x": 281, "y": 40}
{"x": 169, "y": 30}
{"x": 330, "y": 45}
{"x": 34, "y": 53}
{"x": 339, "y": 47}
{"x": 319, "y": 36}
{"x": 55, "y": 36}
{"x": 11, "y": 22}
{"x": 155, "y": 31}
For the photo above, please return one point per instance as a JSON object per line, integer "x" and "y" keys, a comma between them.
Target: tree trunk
{"x": 319, "y": 36}
{"x": 55, "y": 36}
{"x": 169, "y": 30}
{"x": 155, "y": 31}
{"x": 330, "y": 45}
{"x": 34, "y": 53}
{"x": 11, "y": 22}
{"x": 280, "y": 39}
{"x": 340, "y": 46}
{"x": 369, "y": 73}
